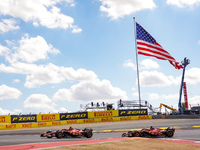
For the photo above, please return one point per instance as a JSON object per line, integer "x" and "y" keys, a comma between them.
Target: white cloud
{"x": 130, "y": 64}
{"x": 184, "y": 3}
{"x": 7, "y": 92}
{"x": 192, "y": 76}
{"x": 149, "y": 64}
{"x": 39, "y": 101}
{"x": 33, "y": 49}
{"x": 16, "y": 81}
{"x": 40, "y": 12}
{"x": 30, "y": 49}
{"x": 154, "y": 96}
{"x": 37, "y": 75}
{"x": 4, "y": 50}
{"x": 78, "y": 75}
{"x": 8, "y": 112}
{"x": 76, "y": 30}
{"x": 91, "y": 90}
{"x": 145, "y": 64}
{"x": 62, "y": 110}
{"x": 154, "y": 78}
{"x": 119, "y": 8}
{"x": 8, "y": 25}
{"x": 42, "y": 102}
{"x": 136, "y": 94}
{"x": 194, "y": 100}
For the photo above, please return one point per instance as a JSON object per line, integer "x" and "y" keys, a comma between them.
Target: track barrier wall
{"x": 43, "y": 120}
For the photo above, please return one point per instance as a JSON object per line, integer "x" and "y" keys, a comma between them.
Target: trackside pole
{"x": 138, "y": 78}
{"x": 184, "y": 63}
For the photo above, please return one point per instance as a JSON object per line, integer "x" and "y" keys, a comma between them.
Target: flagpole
{"x": 138, "y": 78}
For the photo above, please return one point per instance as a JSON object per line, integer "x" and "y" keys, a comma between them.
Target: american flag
{"x": 147, "y": 45}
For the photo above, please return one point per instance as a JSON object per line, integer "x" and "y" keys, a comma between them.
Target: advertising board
{"x": 103, "y": 114}
{"x": 71, "y": 116}
{"x": 5, "y": 119}
{"x": 48, "y": 117}
{"x": 133, "y": 112}
{"x": 23, "y": 118}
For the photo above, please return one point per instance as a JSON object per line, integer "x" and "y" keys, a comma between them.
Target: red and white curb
{"x": 58, "y": 144}
{"x": 37, "y": 146}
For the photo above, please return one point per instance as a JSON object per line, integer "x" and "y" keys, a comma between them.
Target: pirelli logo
{"x": 23, "y": 118}
{"x": 48, "y": 117}
{"x": 70, "y": 116}
{"x": 42, "y": 124}
{"x": 2, "y": 119}
{"x": 56, "y": 123}
{"x": 103, "y": 114}
{"x": 89, "y": 120}
{"x": 71, "y": 121}
{"x": 106, "y": 119}
{"x": 11, "y": 126}
{"x": 27, "y": 125}
{"x": 133, "y": 112}
{"x": 125, "y": 118}
{"x": 143, "y": 117}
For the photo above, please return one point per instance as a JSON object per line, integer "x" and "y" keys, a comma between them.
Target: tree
{"x": 183, "y": 106}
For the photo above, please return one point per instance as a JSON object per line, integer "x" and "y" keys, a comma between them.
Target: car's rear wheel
{"x": 89, "y": 134}
{"x": 170, "y": 133}
{"x": 59, "y": 134}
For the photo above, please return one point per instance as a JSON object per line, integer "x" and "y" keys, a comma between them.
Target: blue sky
{"x": 58, "y": 54}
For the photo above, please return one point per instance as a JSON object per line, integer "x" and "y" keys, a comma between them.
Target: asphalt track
{"x": 186, "y": 129}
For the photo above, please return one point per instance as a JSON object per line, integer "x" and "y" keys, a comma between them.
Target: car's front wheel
{"x": 124, "y": 135}
{"x": 88, "y": 134}
{"x": 136, "y": 134}
{"x": 170, "y": 133}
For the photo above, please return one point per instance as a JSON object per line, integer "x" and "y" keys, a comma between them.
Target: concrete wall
{"x": 176, "y": 117}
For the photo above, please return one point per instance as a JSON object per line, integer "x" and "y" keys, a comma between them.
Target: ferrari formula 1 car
{"x": 151, "y": 132}
{"x": 71, "y": 132}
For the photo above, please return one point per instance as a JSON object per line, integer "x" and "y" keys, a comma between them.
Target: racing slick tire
{"x": 136, "y": 134}
{"x": 88, "y": 134}
{"x": 170, "y": 133}
{"x": 59, "y": 134}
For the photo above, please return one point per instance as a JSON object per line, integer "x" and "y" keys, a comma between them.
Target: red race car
{"x": 151, "y": 132}
{"x": 71, "y": 132}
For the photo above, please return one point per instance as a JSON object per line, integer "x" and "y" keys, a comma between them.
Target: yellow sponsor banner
{"x": 68, "y": 122}
{"x": 103, "y": 114}
{"x": 144, "y": 117}
{"x": 48, "y": 117}
{"x": 5, "y": 119}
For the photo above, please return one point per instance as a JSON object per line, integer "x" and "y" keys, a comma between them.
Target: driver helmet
{"x": 70, "y": 127}
{"x": 151, "y": 127}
